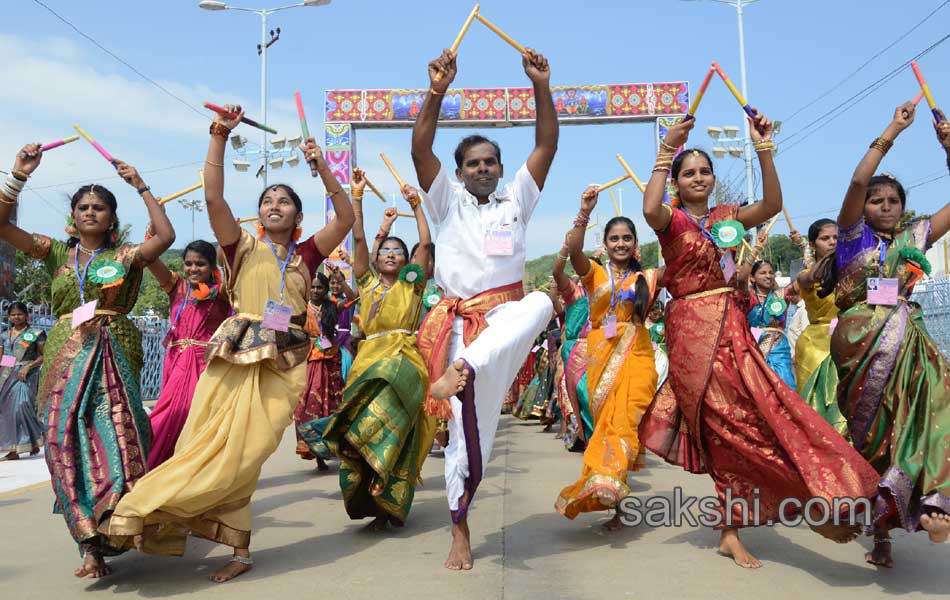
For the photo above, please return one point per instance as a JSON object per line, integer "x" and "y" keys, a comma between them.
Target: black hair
{"x": 402, "y": 244}
{"x": 328, "y": 310}
{"x": 882, "y": 180}
{"x": 825, "y": 269}
{"x": 430, "y": 245}
{"x": 759, "y": 264}
{"x": 290, "y": 192}
{"x": 814, "y": 230}
{"x": 678, "y": 161}
{"x": 473, "y": 140}
{"x": 20, "y": 306}
{"x": 203, "y": 249}
{"x": 641, "y": 301}
{"x": 105, "y": 195}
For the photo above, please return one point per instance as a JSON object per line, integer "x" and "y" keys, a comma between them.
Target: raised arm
{"x": 389, "y": 217}
{"x": 225, "y": 228}
{"x": 423, "y": 132}
{"x": 656, "y": 214}
{"x": 940, "y": 221}
{"x": 164, "y": 237}
{"x": 360, "y": 252}
{"x": 561, "y": 280}
{"x": 753, "y": 215}
{"x": 538, "y": 70}
{"x": 334, "y": 232}
{"x": 27, "y": 160}
{"x": 161, "y": 273}
{"x": 575, "y": 237}
{"x": 853, "y": 206}
{"x": 422, "y": 226}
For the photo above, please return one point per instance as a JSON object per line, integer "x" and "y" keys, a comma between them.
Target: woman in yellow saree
{"x": 256, "y": 372}
{"x": 380, "y": 431}
{"x": 621, "y": 373}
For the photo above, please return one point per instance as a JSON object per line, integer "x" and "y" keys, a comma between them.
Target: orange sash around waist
{"x": 435, "y": 331}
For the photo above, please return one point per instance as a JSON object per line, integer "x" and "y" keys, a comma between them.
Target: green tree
{"x": 151, "y": 296}
{"x": 780, "y": 250}
{"x": 32, "y": 281}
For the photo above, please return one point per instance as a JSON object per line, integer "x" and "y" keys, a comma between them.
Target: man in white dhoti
{"x": 484, "y": 326}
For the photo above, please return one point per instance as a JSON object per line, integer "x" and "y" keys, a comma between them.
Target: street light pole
{"x": 216, "y": 5}
{"x": 749, "y": 182}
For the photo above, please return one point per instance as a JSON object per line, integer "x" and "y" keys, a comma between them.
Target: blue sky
{"x": 795, "y": 52}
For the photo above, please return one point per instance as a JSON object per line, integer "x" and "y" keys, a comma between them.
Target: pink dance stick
{"x": 61, "y": 142}
{"x": 96, "y": 145}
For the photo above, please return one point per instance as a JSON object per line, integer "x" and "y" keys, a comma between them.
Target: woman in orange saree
{"x": 722, "y": 410}
{"x": 621, "y": 373}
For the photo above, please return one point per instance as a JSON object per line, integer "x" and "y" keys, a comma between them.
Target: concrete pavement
{"x": 304, "y": 545}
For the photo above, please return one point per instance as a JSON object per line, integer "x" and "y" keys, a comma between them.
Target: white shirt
{"x": 462, "y": 267}
{"x": 796, "y": 325}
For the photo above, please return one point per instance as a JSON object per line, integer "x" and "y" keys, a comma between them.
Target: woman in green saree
{"x": 20, "y": 428}
{"x": 97, "y": 433}
{"x": 893, "y": 381}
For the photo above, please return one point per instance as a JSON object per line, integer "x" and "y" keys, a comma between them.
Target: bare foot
{"x": 378, "y": 525}
{"x": 460, "y": 555}
{"x": 93, "y": 567}
{"x": 613, "y": 524}
{"x": 322, "y": 465}
{"x": 239, "y": 563}
{"x": 937, "y": 526}
{"x": 842, "y": 534}
{"x": 451, "y": 382}
{"x": 11, "y": 456}
{"x": 139, "y": 540}
{"x": 881, "y": 554}
{"x": 730, "y": 545}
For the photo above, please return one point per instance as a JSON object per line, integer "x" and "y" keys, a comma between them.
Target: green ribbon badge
{"x": 776, "y": 307}
{"x": 728, "y": 233}
{"x": 431, "y": 299}
{"x": 29, "y": 337}
{"x": 411, "y": 273}
{"x": 106, "y": 272}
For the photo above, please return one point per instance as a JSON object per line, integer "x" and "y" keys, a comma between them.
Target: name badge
{"x": 756, "y": 334}
{"x": 84, "y": 313}
{"x": 882, "y": 291}
{"x": 610, "y": 326}
{"x": 728, "y": 266}
{"x": 324, "y": 342}
{"x": 276, "y": 316}
{"x": 500, "y": 241}
{"x": 8, "y": 361}
{"x": 832, "y": 325}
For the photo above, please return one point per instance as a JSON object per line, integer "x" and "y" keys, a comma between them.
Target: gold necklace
{"x": 85, "y": 250}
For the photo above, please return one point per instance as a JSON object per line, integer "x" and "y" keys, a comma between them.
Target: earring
{"x": 297, "y": 233}
{"x": 70, "y": 228}
{"x": 260, "y": 229}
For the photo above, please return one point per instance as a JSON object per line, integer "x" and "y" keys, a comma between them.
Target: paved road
{"x": 304, "y": 545}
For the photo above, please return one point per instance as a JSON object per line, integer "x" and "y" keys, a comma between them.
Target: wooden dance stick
{"x": 770, "y": 226}
{"x": 788, "y": 219}
{"x": 392, "y": 170}
{"x": 61, "y": 142}
{"x": 96, "y": 145}
{"x": 373, "y": 189}
{"x": 201, "y": 176}
{"x": 925, "y": 89}
{"x": 612, "y": 183}
{"x": 632, "y": 175}
{"x": 741, "y": 253}
{"x": 409, "y": 215}
{"x": 458, "y": 39}
{"x": 244, "y": 220}
{"x": 699, "y": 95}
{"x": 178, "y": 195}
{"x": 500, "y": 33}
{"x": 746, "y": 245}
{"x": 230, "y": 115}
{"x": 614, "y": 200}
{"x": 735, "y": 92}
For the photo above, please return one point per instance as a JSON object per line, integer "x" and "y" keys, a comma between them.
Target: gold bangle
{"x": 882, "y": 145}
{"x": 219, "y": 130}
{"x": 356, "y": 196}
{"x": 660, "y": 168}
{"x": 335, "y": 192}
{"x": 667, "y": 146}
{"x": 4, "y": 199}
{"x": 19, "y": 174}
{"x": 214, "y": 164}
{"x": 435, "y": 93}
{"x": 764, "y": 146}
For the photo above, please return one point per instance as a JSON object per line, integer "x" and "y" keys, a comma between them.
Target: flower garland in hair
{"x": 70, "y": 227}
{"x": 916, "y": 264}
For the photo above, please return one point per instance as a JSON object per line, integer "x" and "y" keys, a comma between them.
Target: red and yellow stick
{"x": 926, "y": 90}
{"x": 735, "y": 92}
{"x": 699, "y": 95}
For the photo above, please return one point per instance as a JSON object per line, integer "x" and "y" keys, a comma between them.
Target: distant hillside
{"x": 538, "y": 270}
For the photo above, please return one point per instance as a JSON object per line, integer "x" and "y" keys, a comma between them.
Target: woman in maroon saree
{"x": 722, "y": 410}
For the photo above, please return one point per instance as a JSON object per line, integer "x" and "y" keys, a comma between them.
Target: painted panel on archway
{"x": 515, "y": 105}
